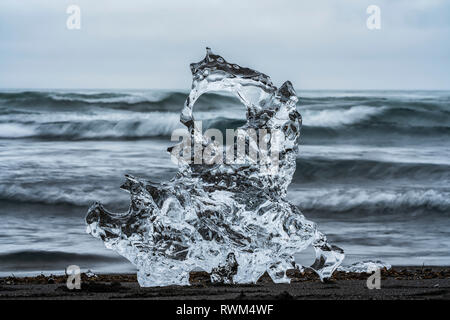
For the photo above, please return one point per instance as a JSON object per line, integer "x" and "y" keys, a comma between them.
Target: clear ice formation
{"x": 231, "y": 220}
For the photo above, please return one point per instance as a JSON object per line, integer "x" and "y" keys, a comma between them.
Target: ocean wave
{"x": 154, "y": 125}
{"x": 15, "y": 130}
{"x": 126, "y": 126}
{"x": 41, "y": 256}
{"x": 134, "y": 115}
{"x": 339, "y": 117}
{"x": 373, "y": 132}
{"x": 380, "y": 110}
{"x": 145, "y": 101}
{"x": 353, "y": 199}
{"x": 41, "y": 260}
{"x": 371, "y": 202}
{"x": 321, "y": 170}
{"x": 70, "y": 193}
{"x": 427, "y": 100}
{"x": 108, "y": 126}
{"x": 329, "y": 191}
{"x": 375, "y": 116}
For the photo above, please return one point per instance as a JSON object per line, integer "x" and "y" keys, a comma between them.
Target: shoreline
{"x": 399, "y": 282}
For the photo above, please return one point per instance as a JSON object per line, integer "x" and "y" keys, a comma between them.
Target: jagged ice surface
{"x": 229, "y": 219}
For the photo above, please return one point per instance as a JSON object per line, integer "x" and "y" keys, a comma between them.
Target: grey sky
{"x": 149, "y": 44}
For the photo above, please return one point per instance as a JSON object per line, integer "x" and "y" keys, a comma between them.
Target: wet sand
{"x": 404, "y": 283}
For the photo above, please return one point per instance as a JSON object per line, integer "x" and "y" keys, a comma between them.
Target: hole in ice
{"x": 306, "y": 257}
{"x": 219, "y": 111}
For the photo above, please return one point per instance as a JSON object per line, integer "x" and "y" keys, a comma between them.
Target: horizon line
{"x": 178, "y": 89}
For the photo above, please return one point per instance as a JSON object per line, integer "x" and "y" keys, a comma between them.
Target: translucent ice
{"x": 232, "y": 218}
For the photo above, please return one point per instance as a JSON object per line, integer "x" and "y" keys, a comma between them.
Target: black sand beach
{"x": 398, "y": 283}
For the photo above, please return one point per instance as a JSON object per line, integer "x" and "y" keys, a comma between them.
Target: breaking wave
{"x": 352, "y": 201}
{"x": 33, "y": 256}
{"x": 374, "y": 202}
{"x": 135, "y": 115}
{"x": 145, "y": 101}
{"x": 94, "y": 127}
{"x": 323, "y": 170}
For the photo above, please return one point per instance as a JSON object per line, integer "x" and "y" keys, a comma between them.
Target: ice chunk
{"x": 229, "y": 218}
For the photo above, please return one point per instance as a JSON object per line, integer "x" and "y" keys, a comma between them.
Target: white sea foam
{"x": 343, "y": 199}
{"x": 15, "y": 130}
{"x": 339, "y": 116}
{"x": 82, "y": 126}
{"x": 125, "y": 97}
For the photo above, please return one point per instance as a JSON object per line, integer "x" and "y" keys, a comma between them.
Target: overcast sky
{"x": 322, "y": 44}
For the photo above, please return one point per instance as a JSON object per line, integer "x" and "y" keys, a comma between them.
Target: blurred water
{"x": 373, "y": 170}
